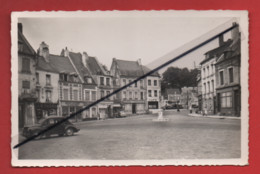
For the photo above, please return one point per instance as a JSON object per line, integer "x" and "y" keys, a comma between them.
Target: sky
{"x": 123, "y": 37}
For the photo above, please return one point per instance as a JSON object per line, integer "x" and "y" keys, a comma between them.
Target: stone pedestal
{"x": 160, "y": 116}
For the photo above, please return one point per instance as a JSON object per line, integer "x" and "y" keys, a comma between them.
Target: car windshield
{"x": 41, "y": 120}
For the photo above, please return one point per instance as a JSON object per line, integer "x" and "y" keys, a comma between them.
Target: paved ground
{"x": 138, "y": 137}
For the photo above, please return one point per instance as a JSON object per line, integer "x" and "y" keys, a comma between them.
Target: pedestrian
{"x": 190, "y": 108}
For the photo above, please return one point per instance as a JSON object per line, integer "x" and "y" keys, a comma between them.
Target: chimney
{"x": 66, "y": 52}
{"x": 20, "y": 27}
{"x": 235, "y": 31}
{"x": 44, "y": 51}
{"x": 85, "y": 58}
{"x": 139, "y": 62}
{"x": 221, "y": 40}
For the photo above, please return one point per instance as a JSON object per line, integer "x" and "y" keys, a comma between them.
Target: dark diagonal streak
{"x": 123, "y": 87}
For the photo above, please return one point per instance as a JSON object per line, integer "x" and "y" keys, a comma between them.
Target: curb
{"x": 215, "y": 116}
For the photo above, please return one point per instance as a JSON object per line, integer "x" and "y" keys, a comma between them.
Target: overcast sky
{"x": 126, "y": 37}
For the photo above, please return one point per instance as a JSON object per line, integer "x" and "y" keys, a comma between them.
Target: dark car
{"x": 65, "y": 128}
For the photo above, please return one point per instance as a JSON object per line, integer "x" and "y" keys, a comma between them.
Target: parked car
{"x": 65, "y": 128}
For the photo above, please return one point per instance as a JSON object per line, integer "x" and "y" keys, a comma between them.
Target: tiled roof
{"x": 27, "y": 48}
{"x": 77, "y": 61}
{"x": 217, "y": 51}
{"x": 95, "y": 67}
{"x": 146, "y": 70}
{"x": 61, "y": 64}
{"x": 44, "y": 66}
{"x": 129, "y": 68}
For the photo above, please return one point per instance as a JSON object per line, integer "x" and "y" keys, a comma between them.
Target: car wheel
{"x": 69, "y": 132}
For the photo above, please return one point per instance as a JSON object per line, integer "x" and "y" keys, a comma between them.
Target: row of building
{"x": 219, "y": 90}
{"x": 62, "y": 84}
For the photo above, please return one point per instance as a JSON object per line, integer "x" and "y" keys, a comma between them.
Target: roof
{"x": 95, "y": 67}
{"x": 61, "y": 64}
{"x": 44, "y": 66}
{"x": 173, "y": 91}
{"x": 217, "y": 51}
{"x": 233, "y": 50}
{"x": 27, "y": 48}
{"x": 146, "y": 70}
{"x": 129, "y": 68}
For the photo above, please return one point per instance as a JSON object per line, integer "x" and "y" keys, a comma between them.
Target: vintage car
{"x": 65, "y": 128}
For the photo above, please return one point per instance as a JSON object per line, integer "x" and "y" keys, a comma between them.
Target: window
{"x": 212, "y": 83}
{"x": 221, "y": 77}
{"x": 205, "y": 88}
{"x": 130, "y": 95}
{"x": 89, "y": 80}
{"x": 155, "y": 93}
{"x": 124, "y": 95}
{"x": 37, "y": 78}
{"x": 208, "y": 70}
{"x": 204, "y": 72}
{"x": 102, "y": 94}
{"x": 65, "y": 77}
{"x": 108, "y": 92}
{"x": 124, "y": 82}
{"x": 93, "y": 95}
{"x": 48, "y": 79}
{"x": 136, "y": 84}
{"x": 212, "y": 68}
{"x": 26, "y": 65}
{"x": 87, "y": 95}
{"x": 231, "y": 77}
{"x": 142, "y": 95}
{"x": 141, "y": 83}
{"x": 149, "y": 83}
{"x": 108, "y": 81}
{"x": 209, "y": 87}
{"x": 155, "y": 82}
{"x": 26, "y": 84}
{"x": 38, "y": 94}
{"x": 149, "y": 93}
{"x": 48, "y": 96}
{"x": 75, "y": 94}
{"x": 101, "y": 80}
{"x": 65, "y": 94}
{"x": 226, "y": 100}
{"x": 136, "y": 95}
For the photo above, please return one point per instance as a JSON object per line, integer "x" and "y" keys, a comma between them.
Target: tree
{"x": 175, "y": 77}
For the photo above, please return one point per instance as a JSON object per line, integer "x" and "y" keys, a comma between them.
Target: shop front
{"x": 45, "y": 110}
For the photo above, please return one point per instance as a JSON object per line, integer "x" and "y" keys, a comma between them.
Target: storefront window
{"x": 226, "y": 99}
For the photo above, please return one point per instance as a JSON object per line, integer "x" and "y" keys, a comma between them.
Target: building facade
{"x": 153, "y": 90}
{"x": 47, "y": 86}
{"x": 228, "y": 78}
{"x": 26, "y": 80}
{"x": 133, "y": 98}
{"x": 103, "y": 79}
{"x": 208, "y": 76}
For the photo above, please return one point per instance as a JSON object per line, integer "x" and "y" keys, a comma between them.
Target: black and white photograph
{"x": 120, "y": 88}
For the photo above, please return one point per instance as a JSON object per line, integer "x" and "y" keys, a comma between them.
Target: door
{"x": 134, "y": 108}
{"x": 237, "y": 102}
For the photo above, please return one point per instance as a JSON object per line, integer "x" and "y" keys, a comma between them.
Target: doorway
{"x": 134, "y": 108}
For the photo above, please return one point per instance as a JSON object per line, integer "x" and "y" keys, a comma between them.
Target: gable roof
{"x": 61, "y": 64}
{"x": 129, "y": 68}
{"x": 77, "y": 61}
{"x": 217, "y": 51}
{"x": 27, "y": 48}
{"x": 146, "y": 70}
{"x": 44, "y": 66}
{"x": 95, "y": 67}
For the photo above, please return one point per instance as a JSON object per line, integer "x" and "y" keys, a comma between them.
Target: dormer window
{"x": 89, "y": 80}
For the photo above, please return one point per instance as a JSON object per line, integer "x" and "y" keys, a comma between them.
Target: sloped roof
{"x": 27, "y": 48}
{"x": 233, "y": 50}
{"x": 173, "y": 91}
{"x": 61, "y": 64}
{"x": 146, "y": 70}
{"x": 129, "y": 68}
{"x": 44, "y": 66}
{"x": 217, "y": 51}
{"x": 95, "y": 67}
{"x": 77, "y": 61}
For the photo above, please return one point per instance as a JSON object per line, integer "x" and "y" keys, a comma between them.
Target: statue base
{"x": 160, "y": 117}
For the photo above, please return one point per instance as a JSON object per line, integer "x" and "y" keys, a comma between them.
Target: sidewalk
{"x": 215, "y": 116}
